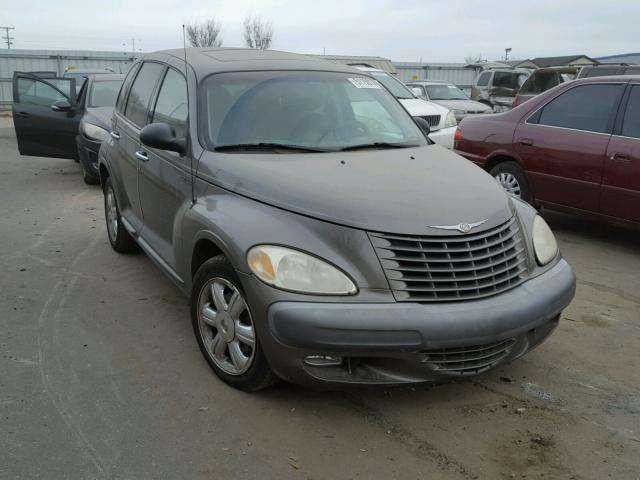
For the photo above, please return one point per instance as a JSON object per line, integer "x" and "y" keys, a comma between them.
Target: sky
{"x": 407, "y": 30}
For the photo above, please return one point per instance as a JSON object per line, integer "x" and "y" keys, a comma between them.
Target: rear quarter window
{"x": 483, "y": 80}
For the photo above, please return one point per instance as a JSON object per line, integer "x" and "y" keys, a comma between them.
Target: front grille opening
{"x": 449, "y": 268}
{"x": 468, "y": 360}
{"x": 432, "y": 120}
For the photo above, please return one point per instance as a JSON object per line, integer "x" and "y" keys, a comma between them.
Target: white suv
{"x": 441, "y": 120}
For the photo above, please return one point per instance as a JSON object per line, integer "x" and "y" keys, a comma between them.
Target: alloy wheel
{"x": 112, "y": 214}
{"x": 510, "y": 183}
{"x": 226, "y": 326}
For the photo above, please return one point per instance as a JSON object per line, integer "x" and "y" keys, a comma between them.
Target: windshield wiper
{"x": 378, "y": 145}
{"x": 267, "y": 146}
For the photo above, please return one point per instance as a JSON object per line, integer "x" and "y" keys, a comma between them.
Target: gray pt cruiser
{"x": 321, "y": 236}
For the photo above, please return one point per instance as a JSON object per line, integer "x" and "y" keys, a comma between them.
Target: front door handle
{"x": 142, "y": 156}
{"x": 21, "y": 114}
{"x": 115, "y": 135}
{"x": 620, "y": 157}
{"x": 526, "y": 142}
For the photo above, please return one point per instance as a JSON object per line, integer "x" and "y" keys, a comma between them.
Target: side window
{"x": 587, "y": 107}
{"x": 141, "y": 91}
{"x": 601, "y": 71}
{"x": 35, "y": 92}
{"x": 631, "y": 122}
{"x": 125, "y": 87}
{"x": 483, "y": 80}
{"x": 632, "y": 71}
{"x": 171, "y": 106}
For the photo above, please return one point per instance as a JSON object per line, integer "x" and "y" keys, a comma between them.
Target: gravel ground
{"x": 100, "y": 375}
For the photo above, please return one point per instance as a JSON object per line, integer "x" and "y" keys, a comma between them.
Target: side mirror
{"x": 424, "y": 125}
{"x": 163, "y": 137}
{"x": 417, "y": 91}
{"x": 62, "y": 106}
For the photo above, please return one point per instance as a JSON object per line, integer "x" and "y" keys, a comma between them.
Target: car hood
{"x": 419, "y": 108}
{"x": 395, "y": 191}
{"x": 466, "y": 105}
{"x": 100, "y": 116}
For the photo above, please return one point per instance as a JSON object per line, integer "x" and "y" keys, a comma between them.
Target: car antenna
{"x": 186, "y": 77}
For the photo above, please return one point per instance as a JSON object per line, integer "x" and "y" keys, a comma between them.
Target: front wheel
{"x": 119, "y": 238}
{"x": 513, "y": 179}
{"x": 225, "y": 329}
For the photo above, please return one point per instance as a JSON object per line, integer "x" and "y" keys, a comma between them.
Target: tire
{"x": 513, "y": 179}
{"x": 228, "y": 341}
{"x": 88, "y": 178}
{"x": 119, "y": 238}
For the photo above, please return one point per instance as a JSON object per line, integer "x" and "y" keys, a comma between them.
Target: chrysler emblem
{"x": 461, "y": 227}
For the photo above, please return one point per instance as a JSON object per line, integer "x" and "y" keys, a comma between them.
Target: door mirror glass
{"x": 162, "y": 136}
{"x": 424, "y": 125}
{"x": 62, "y": 106}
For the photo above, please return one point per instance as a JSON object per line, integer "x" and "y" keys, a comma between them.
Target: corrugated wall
{"x": 455, "y": 73}
{"x": 55, "y": 61}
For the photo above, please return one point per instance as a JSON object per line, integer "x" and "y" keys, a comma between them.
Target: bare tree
{"x": 205, "y": 34}
{"x": 257, "y": 33}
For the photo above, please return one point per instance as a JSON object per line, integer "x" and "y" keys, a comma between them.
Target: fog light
{"x": 322, "y": 360}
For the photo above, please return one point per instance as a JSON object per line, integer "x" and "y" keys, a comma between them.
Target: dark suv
{"x": 310, "y": 221}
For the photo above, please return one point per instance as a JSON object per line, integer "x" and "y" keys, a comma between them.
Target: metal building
{"x": 55, "y": 61}
{"x": 630, "y": 58}
{"x": 456, "y": 73}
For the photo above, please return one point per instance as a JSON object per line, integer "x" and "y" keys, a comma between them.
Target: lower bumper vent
{"x": 469, "y": 360}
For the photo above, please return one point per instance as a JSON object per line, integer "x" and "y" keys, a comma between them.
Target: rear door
{"x": 621, "y": 180}
{"x": 563, "y": 145}
{"x": 164, "y": 180}
{"x": 42, "y": 131}
{"x": 130, "y": 119}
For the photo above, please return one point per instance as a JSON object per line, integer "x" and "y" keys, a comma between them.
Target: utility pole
{"x": 506, "y": 54}
{"x": 8, "y": 37}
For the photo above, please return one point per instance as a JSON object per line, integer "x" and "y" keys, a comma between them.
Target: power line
{"x": 8, "y": 37}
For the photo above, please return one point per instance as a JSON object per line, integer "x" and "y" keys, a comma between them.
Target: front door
{"x": 563, "y": 146}
{"x": 621, "y": 181}
{"x": 42, "y": 128}
{"x": 164, "y": 181}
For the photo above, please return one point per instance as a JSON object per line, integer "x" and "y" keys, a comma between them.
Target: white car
{"x": 442, "y": 121}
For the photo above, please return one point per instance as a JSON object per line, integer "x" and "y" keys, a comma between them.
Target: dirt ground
{"x": 101, "y": 378}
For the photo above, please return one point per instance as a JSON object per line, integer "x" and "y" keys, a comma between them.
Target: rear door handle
{"x": 526, "y": 141}
{"x": 142, "y": 156}
{"x": 115, "y": 135}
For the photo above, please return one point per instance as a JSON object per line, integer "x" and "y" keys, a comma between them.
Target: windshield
{"x": 396, "y": 87}
{"x": 104, "y": 93}
{"x": 445, "y": 92}
{"x": 322, "y": 111}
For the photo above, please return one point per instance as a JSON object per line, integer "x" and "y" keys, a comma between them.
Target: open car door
{"x": 45, "y": 115}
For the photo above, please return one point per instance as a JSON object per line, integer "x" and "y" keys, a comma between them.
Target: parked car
{"x": 449, "y": 96}
{"x": 607, "y": 69}
{"x": 542, "y": 80}
{"x": 314, "y": 228}
{"x": 498, "y": 87}
{"x": 52, "y": 121}
{"x": 442, "y": 121}
{"x": 574, "y": 148}
{"x": 81, "y": 74}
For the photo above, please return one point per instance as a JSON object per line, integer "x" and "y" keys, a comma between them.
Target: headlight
{"x": 451, "y": 120}
{"x": 544, "y": 242}
{"x": 94, "y": 132}
{"x": 293, "y": 270}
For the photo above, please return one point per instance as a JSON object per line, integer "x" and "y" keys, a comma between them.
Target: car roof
{"x": 104, "y": 71}
{"x": 205, "y": 61}
{"x": 430, "y": 82}
{"x": 107, "y": 76}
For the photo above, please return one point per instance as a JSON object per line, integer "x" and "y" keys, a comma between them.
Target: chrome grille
{"x": 469, "y": 360}
{"x": 451, "y": 268}
{"x": 432, "y": 120}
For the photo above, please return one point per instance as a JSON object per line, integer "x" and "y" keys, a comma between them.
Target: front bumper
{"x": 444, "y": 136}
{"x": 88, "y": 153}
{"x": 392, "y": 343}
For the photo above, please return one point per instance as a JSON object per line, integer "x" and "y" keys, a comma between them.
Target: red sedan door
{"x": 621, "y": 180}
{"x": 564, "y": 143}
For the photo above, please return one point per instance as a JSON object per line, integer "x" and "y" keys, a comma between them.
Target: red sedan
{"x": 574, "y": 148}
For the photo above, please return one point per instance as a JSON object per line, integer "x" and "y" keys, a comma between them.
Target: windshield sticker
{"x": 364, "y": 82}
